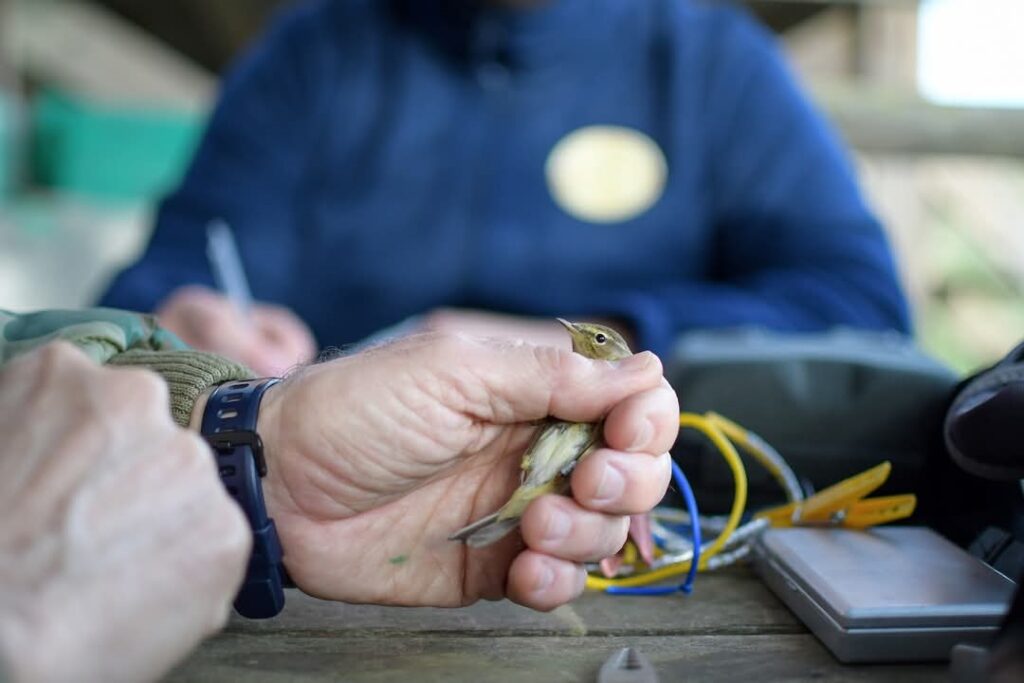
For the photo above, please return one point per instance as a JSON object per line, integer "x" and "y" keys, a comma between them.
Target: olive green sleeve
{"x": 122, "y": 338}
{"x": 187, "y": 373}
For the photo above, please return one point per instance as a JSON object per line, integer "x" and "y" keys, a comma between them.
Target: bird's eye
{"x": 600, "y": 338}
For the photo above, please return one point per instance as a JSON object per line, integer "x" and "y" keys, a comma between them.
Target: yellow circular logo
{"x": 606, "y": 174}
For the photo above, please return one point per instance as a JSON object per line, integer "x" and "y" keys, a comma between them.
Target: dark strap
{"x": 229, "y": 426}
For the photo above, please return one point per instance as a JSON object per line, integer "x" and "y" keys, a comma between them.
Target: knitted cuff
{"x": 187, "y": 373}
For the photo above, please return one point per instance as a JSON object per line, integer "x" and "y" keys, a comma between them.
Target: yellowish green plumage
{"x": 556, "y": 449}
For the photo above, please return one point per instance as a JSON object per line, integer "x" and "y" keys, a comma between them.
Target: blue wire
{"x": 687, "y": 585}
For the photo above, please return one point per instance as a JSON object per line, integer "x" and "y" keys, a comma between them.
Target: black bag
{"x": 984, "y": 428}
{"x": 833, "y": 404}
{"x": 983, "y": 433}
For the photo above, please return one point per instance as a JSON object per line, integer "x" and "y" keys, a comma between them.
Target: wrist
{"x": 272, "y": 425}
{"x": 268, "y": 426}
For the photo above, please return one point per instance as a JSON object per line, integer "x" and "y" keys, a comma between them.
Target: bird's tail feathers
{"x": 485, "y": 531}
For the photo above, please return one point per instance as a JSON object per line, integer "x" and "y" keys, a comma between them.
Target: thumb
{"x": 520, "y": 381}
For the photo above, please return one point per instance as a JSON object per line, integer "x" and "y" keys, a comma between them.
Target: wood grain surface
{"x": 731, "y": 629}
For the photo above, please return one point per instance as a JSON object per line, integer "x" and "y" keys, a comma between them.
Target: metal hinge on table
{"x": 627, "y": 666}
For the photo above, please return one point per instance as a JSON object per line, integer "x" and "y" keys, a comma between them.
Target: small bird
{"x": 555, "y": 450}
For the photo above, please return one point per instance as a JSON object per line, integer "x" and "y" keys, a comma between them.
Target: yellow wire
{"x": 739, "y": 503}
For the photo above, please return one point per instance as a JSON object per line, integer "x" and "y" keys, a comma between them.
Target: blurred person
{"x": 120, "y": 549}
{"x": 487, "y": 165}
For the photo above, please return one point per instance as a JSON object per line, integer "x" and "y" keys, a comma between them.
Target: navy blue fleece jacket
{"x": 379, "y": 159}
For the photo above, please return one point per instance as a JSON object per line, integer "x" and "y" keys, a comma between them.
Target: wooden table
{"x": 731, "y": 629}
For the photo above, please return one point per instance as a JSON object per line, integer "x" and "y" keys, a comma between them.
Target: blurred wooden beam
{"x": 886, "y": 44}
{"x": 783, "y": 16}
{"x": 824, "y": 47}
{"x": 209, "y": 32}
{"x": 91, "y": 51}
{"x": 882, "y": 121}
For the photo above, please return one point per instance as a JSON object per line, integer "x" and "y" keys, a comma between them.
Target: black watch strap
{"x": 229, "y": 426}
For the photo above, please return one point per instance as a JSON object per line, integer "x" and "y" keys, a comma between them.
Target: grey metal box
{"x": 885, "y": 595}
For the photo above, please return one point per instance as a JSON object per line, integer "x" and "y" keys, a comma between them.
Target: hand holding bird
{"x": 374, "y": 458}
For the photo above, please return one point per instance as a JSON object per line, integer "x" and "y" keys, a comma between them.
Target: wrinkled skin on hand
{"x": 376, "y": 458}
{"x": 540, "y": 331}
{"x": 119, "y": 548}
{"x": 271, "y": 341}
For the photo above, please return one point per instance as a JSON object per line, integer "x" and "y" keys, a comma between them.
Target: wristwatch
{"x": 229, "y": 426}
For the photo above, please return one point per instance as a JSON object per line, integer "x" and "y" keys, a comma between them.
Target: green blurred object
{"x": 110, "y": 151}
{"x": 10, "y": 132}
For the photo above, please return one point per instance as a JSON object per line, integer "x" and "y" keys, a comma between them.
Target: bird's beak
{"x": 574, "y": 332}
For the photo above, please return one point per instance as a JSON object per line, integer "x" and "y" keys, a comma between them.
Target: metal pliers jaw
{"x": 627, "y": 666}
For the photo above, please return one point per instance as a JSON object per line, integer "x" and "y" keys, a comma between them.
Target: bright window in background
{"x": 971, "y": 52}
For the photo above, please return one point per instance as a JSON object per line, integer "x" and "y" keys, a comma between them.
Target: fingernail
{"x": 611, "y": 485}
{"x": 558, "y": 527}
{"x": 545, "y": 578}
{"x": 665, "y": 465}
{"x": 643, "y": 437}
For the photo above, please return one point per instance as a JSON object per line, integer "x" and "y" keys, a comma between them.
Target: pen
{"x": 226, "y": 264}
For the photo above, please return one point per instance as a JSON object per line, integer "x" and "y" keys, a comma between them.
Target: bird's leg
{"x": 610, "y": 566}
{"x": 643, "y": 537}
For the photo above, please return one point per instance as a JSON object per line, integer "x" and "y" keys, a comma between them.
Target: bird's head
{"x": 597, "y": 341}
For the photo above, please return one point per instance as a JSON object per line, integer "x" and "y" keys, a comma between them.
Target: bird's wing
{"x": 556, "y": 448}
